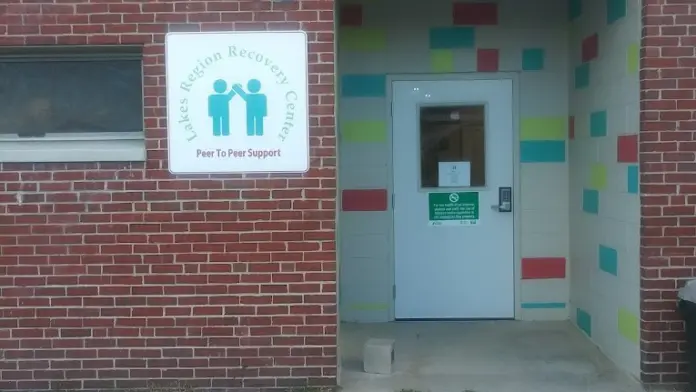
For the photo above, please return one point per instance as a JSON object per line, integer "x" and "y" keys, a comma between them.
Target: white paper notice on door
{"x": 454, "y": 174}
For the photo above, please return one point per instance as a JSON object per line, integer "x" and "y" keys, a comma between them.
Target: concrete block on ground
{"x": 378, "y": 356}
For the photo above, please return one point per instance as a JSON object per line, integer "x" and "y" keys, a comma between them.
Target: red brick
{"x": 114, "y": 276}
{"x": 487, "y": 60}
{"x": 543, "y": 267}
{"x": 474, "y": 14}
{"x": 364, "y": 200}
{"x": 666, "y": 157}
{"x": 590, "y": 48}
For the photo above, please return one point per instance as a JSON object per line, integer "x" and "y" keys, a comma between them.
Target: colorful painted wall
{"x": 380, "y": 37}
{"x": 603, "y": 162}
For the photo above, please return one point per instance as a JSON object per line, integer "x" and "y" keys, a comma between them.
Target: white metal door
{"x": 452, "y": 261}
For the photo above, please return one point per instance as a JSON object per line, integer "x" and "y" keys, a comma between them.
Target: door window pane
{"x": 452, "y": 144}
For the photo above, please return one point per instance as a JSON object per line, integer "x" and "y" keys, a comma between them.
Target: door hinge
{"x": 393, "y": 291}
{"x": 393, "y": 201}
{"x": 391, "y": 110}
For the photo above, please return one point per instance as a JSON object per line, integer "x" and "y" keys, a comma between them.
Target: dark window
{"x": 453, "y": 137}
{"x": 70, "y": 90}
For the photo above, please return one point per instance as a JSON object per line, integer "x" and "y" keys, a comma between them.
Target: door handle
{"x": 504, "y": 199}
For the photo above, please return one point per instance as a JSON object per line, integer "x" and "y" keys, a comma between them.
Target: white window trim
{"x": 73, "y": 147}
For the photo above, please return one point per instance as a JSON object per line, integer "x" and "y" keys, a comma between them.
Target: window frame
{"x": 484, "y": 106}
{"x": 75, "y": 147}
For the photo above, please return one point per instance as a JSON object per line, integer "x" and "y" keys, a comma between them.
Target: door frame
{"x": 471, "y": 76}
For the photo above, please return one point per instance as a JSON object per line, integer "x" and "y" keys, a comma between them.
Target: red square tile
{"x": 590, "y": 48}
{"x": 475, "y": 14}
{"x": 487, "y": 60}
{"x": 571, "y": 127}
{"x": 543, "y": 268}
{"x": 350, "y": 15}
{"x": 364, "y": 200}
{"x": 627, "y": 149}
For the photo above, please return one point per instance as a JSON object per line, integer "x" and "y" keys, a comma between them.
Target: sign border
{"x": 455, "y": 222}
{"x": 169, "y": 107}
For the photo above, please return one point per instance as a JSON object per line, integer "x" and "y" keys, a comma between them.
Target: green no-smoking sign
{"x": 453, "y": 208}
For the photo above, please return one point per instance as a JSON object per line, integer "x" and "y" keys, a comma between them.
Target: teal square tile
{"x": 590, "y": 201}
{"x": 582, "y": 75}
{"x": 543, "y": 305}
{"x": 584, "y": 321}
{"x": 616, "y": 9}
{"x": 608, "y": 260}
{"x": 365, "y": 85}
{"x": 543, "y": 151}
{"x": 574, "y": 9}
{"x": 632, "y": 180}
{"x": 533, "y": 59}
{"x": 598, "y": 124}
{"x": 452, "y": 37}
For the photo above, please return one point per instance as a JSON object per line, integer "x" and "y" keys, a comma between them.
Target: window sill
{"x": 73, "y": 148}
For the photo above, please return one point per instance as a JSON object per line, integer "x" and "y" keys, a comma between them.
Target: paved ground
{"x": 501, "y": 356}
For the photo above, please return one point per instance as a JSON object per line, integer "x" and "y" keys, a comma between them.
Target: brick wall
{"x": 113, "y": 274}
{"x": 668, "y": 175}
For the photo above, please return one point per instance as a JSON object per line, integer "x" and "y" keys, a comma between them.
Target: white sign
{"x": 454, "y": 174}
{"x": 237, "y": 102}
